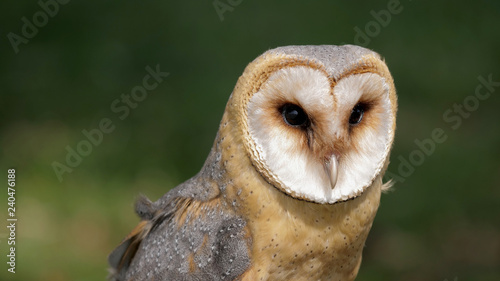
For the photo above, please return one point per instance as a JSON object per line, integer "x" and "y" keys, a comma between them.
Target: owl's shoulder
{"x": 188, "y": 234}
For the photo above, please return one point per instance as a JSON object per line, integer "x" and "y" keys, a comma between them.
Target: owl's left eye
{"x": 357, "y": 114}
{"x": 294, "y": 115}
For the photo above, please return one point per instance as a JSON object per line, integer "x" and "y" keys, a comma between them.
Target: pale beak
{"x": 331, "y": 167}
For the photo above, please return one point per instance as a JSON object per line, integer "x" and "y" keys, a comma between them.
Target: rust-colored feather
{"x": 121, "y": 257}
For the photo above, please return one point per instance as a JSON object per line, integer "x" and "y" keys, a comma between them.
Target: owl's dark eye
{"x": 357, "y": 114}
{"x": 294, "y": 115}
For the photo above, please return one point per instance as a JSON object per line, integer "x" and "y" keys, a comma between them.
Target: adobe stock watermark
{"x": 121, "y": 107}
{"x": 381, "y": 19}
{"x": 29, "y": 29}
{"x": 454, "y": 116}
{"x": 223, "y": 6}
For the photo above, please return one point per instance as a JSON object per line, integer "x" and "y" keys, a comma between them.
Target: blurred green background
{"x": 440, "y": 222}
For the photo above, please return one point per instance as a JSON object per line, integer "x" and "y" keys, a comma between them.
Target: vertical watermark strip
{"x": 11, "y": 219}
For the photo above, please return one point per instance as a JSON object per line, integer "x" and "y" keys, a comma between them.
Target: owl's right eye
{"x": 294, "y": 115}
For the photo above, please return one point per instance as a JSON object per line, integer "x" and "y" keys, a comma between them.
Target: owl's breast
{"x": 298, "y": 240}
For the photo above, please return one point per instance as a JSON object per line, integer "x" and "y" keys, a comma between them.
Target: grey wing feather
{"x": 176, "y": 244}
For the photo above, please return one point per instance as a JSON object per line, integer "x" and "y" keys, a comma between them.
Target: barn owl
{"x": 292, "y": 183}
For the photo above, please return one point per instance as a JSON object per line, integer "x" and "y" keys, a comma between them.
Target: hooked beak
{"x": 331, "y": 168}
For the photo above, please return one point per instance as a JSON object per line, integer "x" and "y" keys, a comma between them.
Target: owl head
{"x": 318, "y": 122}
